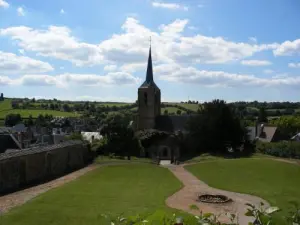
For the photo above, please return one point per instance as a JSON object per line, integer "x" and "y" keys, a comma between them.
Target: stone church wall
{"x": 21, "y": 168}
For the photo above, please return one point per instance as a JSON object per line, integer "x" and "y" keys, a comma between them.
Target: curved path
{"x": 187, "y": 196}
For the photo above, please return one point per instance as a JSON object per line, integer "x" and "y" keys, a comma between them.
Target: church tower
{"x": 148, "y": 100}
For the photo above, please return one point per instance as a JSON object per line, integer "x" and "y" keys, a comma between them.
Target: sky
{"x": 97, "y": 50}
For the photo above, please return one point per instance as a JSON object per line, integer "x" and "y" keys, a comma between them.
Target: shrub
{"x": 284, "y": 149}
{"x": 260, "y": 216}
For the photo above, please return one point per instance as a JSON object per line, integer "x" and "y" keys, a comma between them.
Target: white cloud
{"x": 13, "y": 64}
{"x": 169, "y": 5}
{"x": 268, "y": 71}
{"x": 294, "y": 65}
{"x": 4, "y": 4}
{"x": 22, "y": 51}
{"x": 280, "y": 76}
{"x": 133, "y": 67}
{"x": 131, "y": 45}
{"x": 176, "y": 73}
{"x": 253, "y": 39}
{"x": 110, "y": 67}
{"x": 192, "y": 28}
{"x": 55, "y": 42}
{"x": 4, "y": 80}
{"x": 256, "y": 62}
{"x": 20, "y": 11}
{"x": 288, "y": 48}
{"x": 62, "y": 11}
{"x": 104, "y": 99}
{"x": 68, "y": 79}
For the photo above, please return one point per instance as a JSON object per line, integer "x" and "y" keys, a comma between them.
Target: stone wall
{"x": 21, "y": 168}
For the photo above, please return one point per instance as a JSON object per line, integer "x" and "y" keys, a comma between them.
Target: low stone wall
{"x": 21, "y": 168}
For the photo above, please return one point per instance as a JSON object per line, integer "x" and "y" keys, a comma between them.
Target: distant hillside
{"x": 6, "y": 108}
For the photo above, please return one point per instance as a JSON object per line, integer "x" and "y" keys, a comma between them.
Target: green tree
{"x": 178, "y": 112}
{"x": 120, "y": 137}
{"x": 215, "y": 127}
{"x": 12, "y": 120}
{"x": 29, "y": 121}
{"x": 262, "y": 116}
{"x": 166, "y": 112}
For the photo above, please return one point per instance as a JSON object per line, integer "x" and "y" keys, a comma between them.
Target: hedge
{"x": 284, "y": 149}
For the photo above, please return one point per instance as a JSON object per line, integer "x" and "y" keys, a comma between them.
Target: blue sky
{"x": 202, "y": 49}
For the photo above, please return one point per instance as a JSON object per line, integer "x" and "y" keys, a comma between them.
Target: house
{"x": 264, "y": 133}
{"x": 91, "y": 136}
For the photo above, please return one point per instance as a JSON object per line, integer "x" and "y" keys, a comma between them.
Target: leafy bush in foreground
{"x": 260, "y": 216}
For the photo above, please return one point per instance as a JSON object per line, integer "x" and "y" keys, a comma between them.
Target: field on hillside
{"x": 113, "y": 190}
{"x": 193, "y": 107}
{"x": 276, "y": 182}
{"x": 5, "y": 109}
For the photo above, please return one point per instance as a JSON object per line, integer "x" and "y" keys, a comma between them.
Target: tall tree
{"x": 262, "y": 116}
{"x": 216, "y": 127}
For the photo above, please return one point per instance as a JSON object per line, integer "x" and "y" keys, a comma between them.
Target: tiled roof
{"x": 267, "y": 136}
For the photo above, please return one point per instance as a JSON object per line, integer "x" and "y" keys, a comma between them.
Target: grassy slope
{"x": 193, "y": 107}
{"x": 128, "y": 189}
{"x": 5, "y": 109}
{"x": 277, "y": 182}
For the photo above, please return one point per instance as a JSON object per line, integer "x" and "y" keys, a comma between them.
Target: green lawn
{"x": 128, "y": 189}
{"x": 5, "y": 105}
{"x": 5, "y": 109}
{"x": 276, "y": 182}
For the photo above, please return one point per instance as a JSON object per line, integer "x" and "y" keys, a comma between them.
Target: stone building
{"x": 149, "y": 100}
{"x": 149, "y": 117}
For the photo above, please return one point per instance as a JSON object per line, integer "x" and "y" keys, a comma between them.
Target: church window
{"x": 145, "y": 98}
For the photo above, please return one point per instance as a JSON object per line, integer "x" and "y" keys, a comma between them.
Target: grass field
{"x": 128, "y": 189}
{"x": 170, "y": 110}
{"x": 276, "y": 182}
{"x": 193, "y": 107}
{"x": 5, "y": 109}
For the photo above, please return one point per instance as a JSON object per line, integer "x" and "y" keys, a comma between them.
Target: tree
{"x": 120, "y": 138}
{"x": 262, "y": 116}
{"x": 12, "y": 120}
{"x": 166, "y": 112}
{"x": 52, "y": 106}
{"x": 216, "y": 127}
{"x": 178, "y": 112}
{"x": 33, "y": 100}
{"x": 66, "y": 108}
{"x": 1, "y": 97}
{"x": 29, "y": 121}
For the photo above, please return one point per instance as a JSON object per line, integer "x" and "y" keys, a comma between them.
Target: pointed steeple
{"x": 149, "y": 74}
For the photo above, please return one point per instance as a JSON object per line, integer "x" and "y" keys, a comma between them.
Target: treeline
{"x": 14, "y": 119}
{"x": 87, "y": 107}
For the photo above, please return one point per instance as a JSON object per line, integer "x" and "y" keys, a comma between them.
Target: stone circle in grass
{"x": 216, "y": 199}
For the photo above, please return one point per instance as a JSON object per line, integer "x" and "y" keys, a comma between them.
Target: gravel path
{"x": 187, "y": 196}
{"x": 18, "y": 198}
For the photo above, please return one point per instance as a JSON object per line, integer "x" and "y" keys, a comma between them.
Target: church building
{"x": 149, "y": 117}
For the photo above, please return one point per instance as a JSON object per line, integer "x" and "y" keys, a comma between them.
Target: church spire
{"x": 149, "y": 73}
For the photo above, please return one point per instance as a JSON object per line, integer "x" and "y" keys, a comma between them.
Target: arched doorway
{"x": 165, "y": 152}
